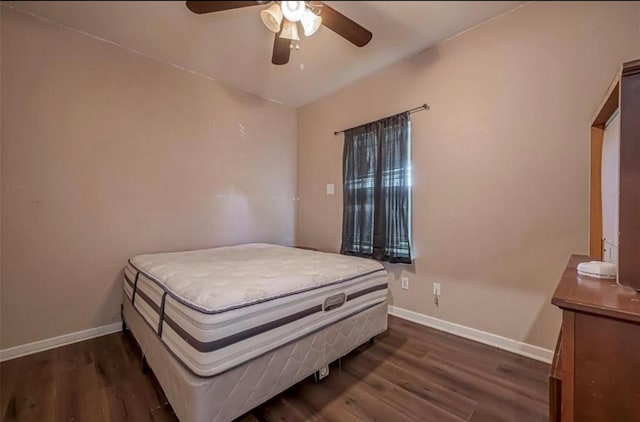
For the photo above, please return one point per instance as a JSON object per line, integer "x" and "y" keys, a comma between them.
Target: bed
{"x": 225, "y": 329}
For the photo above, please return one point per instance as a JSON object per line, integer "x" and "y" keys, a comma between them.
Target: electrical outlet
{"x": 436, "y": 289}
{"x": 405, "y": 283}
{"x": 322, "y": 373}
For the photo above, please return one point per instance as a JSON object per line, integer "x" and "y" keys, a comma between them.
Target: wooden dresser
{"x": 595, "y": 374}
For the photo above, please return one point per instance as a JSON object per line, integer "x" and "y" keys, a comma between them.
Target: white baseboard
{"x": 524, "y": 349}
{"x": 518, "y": 347}
{"x": 63, "y": 340}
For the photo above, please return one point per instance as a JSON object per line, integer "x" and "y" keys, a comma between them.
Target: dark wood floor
{"x": 411, "y": 373}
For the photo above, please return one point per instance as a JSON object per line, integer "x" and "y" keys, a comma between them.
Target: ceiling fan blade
{"x": 200, "y": 7}
{"x": 281, "y": 50}
{"x": 345, "y": 27}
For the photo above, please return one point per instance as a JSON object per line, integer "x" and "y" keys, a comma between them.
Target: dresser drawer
{"x": 561, "y": 377}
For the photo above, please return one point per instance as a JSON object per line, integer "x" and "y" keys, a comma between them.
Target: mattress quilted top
{"x": 218, "y": 279}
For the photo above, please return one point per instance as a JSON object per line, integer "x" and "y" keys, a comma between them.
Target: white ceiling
{"x": 235, "y": 47}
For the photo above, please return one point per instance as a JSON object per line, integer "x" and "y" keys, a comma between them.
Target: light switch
{"x": 331, "y": 189}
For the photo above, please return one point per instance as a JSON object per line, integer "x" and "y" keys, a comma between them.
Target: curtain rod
{"x": 424, "y": 106}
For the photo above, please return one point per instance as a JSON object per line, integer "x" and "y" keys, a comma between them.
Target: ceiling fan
{"x": 283, "y": 17}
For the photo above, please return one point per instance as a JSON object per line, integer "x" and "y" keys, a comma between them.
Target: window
{"x": 377, "y": 190}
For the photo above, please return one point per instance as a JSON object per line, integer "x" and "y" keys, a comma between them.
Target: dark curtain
{"x": 377, "y": 190}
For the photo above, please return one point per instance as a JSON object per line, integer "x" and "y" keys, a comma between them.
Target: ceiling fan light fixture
{"x": 282, "y": 18}
{"x": 290, "y": 31}
{"x": 310, "y": 22}
{"x": 293, "y": 10}
{"x": 272, "y": 17}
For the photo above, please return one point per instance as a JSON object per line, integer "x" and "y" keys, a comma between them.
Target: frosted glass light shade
{"x": 290, "y": 31}
{"x": 310, "y": 22}
{"x": 272, "y": 17}
{"x": 293, "y": 10}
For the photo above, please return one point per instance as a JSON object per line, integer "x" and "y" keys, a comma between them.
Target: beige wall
{"x": 500, "y": 161}
{"x": 107, "y": 154}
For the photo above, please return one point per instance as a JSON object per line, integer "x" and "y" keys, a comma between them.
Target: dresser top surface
{"x": 596, "y": 296}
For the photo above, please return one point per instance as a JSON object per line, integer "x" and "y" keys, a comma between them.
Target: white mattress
{"x": 215, "y": 309}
